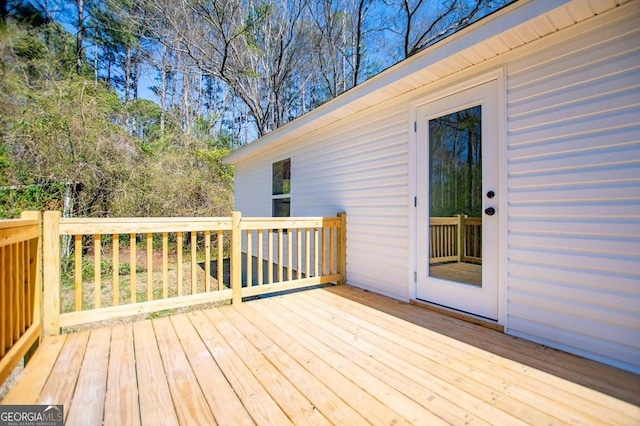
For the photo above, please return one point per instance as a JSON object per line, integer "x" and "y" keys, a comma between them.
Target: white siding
{"x": 360, "y": 167}
{"x": 574, "y": 193}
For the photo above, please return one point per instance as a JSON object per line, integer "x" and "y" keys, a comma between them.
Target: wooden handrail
{"x": 310, "y": 250}
{"x": 20, "y": 288}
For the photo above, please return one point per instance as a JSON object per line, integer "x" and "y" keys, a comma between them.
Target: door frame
{"x": 442, "y": 91}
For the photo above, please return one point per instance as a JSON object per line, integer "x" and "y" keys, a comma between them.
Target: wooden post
{"x": 35, "y": 270}
{"x": 460, "y": 237}
{"x": 236, "y": 258}
{"x": 51, "y": 271}
{"x": 342, "y": 248}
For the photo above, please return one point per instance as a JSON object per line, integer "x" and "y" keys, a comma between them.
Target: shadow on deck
{"x": 337, "y": 355}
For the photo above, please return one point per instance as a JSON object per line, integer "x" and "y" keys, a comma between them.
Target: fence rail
{"x": 20, "y": 272}
{"x": 123, "y": 267}
{"x": 455, "y": 239}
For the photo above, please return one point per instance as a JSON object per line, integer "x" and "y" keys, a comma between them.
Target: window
{"x": 281, "y": 185}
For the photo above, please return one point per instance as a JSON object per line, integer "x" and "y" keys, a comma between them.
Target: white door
{"x": 457, "y": 202}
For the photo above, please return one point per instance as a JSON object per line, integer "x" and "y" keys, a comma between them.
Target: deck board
{"x": 295, "y": 405}
{"x": 386, "y": 403}
{"x": 87, "y": 404}
{"x": 33, "y": 379}
{"x": 153, "y": 390}
{"x": 361, "y": 402}
{"x": 338, "y": 355}
{"x": 224, "y": 403}
{"x": 262, "y": 408}
{"x": 121, "y": 400}
{"x": 336, "y": 410}
{"x": 61, "y": 384}
{"x": 190, "y": 404}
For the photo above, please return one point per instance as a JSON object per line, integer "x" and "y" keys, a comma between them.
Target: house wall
{"x": 359, "y": 167}
{"x": 572, "y": 171}
{"x": 574, "y": 192}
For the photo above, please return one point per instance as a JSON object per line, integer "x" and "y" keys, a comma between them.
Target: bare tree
{"x": 424, "y": 23}
{"x": 281, "y": 58}
{"x": 341, "y": 28}
{"x": 79, "y": 35}
{"x": 254, "y": 47}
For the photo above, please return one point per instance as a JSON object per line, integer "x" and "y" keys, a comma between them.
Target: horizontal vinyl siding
{"x": 252, "y": 189}
{"x": 574, "y": 194}
{"x": 359, "y": 166}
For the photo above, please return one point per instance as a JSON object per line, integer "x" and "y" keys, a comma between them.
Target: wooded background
{"x": 126, "y": 107}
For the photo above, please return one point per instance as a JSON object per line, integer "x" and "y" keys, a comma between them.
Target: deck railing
{"x": 124, "y": 267}
{"x": 455, "y": 239}
{"x": 20, "y": 272}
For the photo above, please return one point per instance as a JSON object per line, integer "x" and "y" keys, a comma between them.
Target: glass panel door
{"x": 455, "y": 196}
{"x": 457, "y": 217}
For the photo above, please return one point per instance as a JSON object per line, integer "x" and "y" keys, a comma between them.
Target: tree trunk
{"x": 127, "y": 74}
{"x": 136, "y": 75}
{"x": 163, "y": 87}
{"x": 80, "y": 4}
{"x": 358, "y": 43}
{"x": 186, "y": 86}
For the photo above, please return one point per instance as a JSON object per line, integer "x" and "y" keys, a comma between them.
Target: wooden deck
{"x": 327, "y": 356}
{"x": 469, "y": 273}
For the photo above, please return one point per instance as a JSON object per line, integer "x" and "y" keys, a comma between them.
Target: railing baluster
{"x": 179, "y": 259}
{"x": 133, "y": 262}
{"x": 77, "y": 249}
{"x": 207, "y": 262}
{"x": 116, "y": 269}
{"x": 165, "y": 265}
{"x": 97, "y": 270}
{"x": 194, "y": 250}
{"x": 280, "y": 255}
{"x": 149, "y": 266}
{"x": 270, "y": 256}
{"x": 249, "y": 259}
{"x": 307, "y": 252}
{"x": 4, "y": 306}
{"x": 11, "y": 298}
{"x": 289, "y": 254}
{"x": 315, "y": 253}
{"x": 299, "y": 253}
{"x": 220, "y": 262}
{"x": 342, "y": 248}
{"x": 260, "y": 256}
{"x": 28, "y": 290}
{"x": 323, "y": 250}
{"x": 19, "y": 293}
{"x": 333, "y": 236}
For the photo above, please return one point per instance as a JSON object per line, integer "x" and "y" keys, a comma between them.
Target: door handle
{"x": 490, "y": 211}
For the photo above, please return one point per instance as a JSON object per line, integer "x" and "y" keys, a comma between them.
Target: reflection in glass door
{"x": 455, "y": 196}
